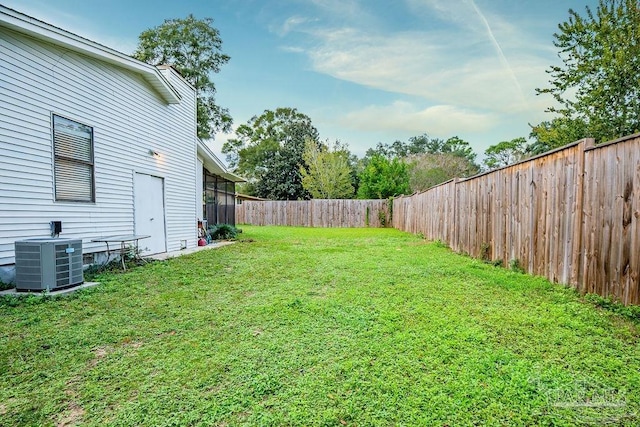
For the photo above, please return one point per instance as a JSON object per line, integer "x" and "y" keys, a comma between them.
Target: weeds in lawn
{"x": 382, "y": 217}
{"x": 440, "y": 244}
{"x": 516, "y": 266}
{"x": 485, "y": 252}
{"x": 629, "y": 312}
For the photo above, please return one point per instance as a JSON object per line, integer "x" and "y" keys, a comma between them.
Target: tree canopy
{"x": 505, "y": 153}
{"x": 430, "y": 169}
{"x": 383, "y": 178}
{"x": 598, "y": 83}
{"x": 268, "y": 151}
{"x": 556, "y": 133}
{"x": 194, "y": 48}
{"x": 430, "y": 161}
{"x": 328, "y": 173}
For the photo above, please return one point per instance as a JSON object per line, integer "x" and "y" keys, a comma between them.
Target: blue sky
{"x": 365, "y": 71}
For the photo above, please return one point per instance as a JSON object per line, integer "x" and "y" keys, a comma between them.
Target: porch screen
{"x": 73, "y": 161}
{"x": 220, "y": 199}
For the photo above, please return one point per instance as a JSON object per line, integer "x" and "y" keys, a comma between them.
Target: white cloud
{"x": 291, "y": 24}
{"x": 440, "y": 120}
{"x": 431, "y": 66}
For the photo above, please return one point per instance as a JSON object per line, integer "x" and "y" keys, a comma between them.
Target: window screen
{"x": 73, "y": 165}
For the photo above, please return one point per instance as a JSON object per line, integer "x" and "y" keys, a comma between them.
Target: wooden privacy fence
{"x": 571, "y": 215}
{"x": 315, "y": 213}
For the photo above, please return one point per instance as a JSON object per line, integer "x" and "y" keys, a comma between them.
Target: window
{"x": 73, "y": 161}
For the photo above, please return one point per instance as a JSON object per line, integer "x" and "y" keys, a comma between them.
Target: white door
{"x": 149, "y": 213}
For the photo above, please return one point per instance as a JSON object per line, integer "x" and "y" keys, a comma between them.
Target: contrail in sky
{"x": 503, "y": 58}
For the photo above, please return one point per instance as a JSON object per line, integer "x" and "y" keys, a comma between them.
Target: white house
{"x": 93, "y": 138}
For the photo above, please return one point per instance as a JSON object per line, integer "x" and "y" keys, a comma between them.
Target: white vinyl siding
{"x": 73, "y": 164}
{"x": 128, "y": 118}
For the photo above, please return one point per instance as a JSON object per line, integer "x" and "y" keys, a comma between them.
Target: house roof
{"x": 214, "y": 164}
{"x": 248, "y": 198}
{"x": 40, "y": 30}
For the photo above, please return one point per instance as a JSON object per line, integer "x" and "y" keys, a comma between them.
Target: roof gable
{"x": 35, "y": 28}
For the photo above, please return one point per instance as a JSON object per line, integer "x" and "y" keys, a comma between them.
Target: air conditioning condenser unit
{"x": 47, "y": 264}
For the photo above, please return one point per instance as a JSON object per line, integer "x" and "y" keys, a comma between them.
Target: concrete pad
{"x": 174, "y": 254}
{"x": 59, "y": 292}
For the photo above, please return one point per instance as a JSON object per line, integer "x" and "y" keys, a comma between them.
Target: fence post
{"x": 454, "y": 236}
{"x": 578, "y": 261}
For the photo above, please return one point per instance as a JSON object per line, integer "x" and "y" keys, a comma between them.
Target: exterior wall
{"x": 200, "y": 188}
{"x": 128, "y": 117}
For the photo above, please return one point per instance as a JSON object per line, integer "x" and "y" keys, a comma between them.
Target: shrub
{"x": 224, "y": 232}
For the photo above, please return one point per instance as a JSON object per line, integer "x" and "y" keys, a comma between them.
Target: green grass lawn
{"x": 315, "y": 327}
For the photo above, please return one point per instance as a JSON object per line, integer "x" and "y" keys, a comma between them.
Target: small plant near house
{"x": 5, "y": 286}
{"x": 132, "y": 258}
{"x": 132, "y": 254}
{"x": 224, "y": 232}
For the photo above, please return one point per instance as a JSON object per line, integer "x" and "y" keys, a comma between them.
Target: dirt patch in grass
{"x": 72, "y": 416}
{"x": 99, "y": 354}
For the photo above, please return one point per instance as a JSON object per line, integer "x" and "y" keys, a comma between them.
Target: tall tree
{"x": 505, "y": 153}
{"x": 599, "y": 79}
{"x": 193, "y": 47}
{"x": 327, "y": 174}
{"x": 268, "y": 151}
{"x": 383, "y": 178}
